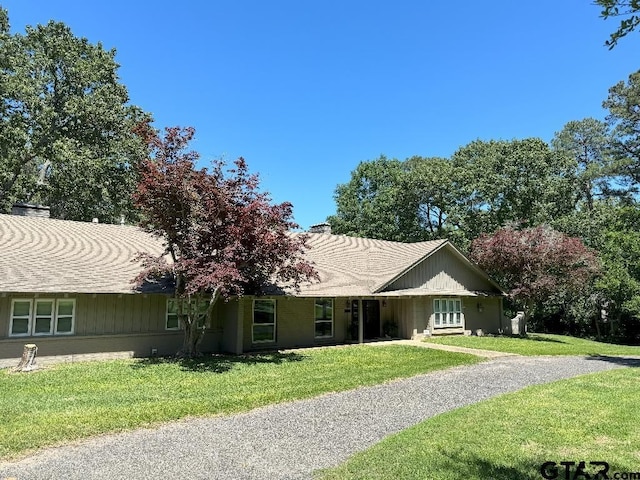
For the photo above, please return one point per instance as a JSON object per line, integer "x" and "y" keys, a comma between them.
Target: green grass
{"x": 538, "y": 344}
{"x": 72, "y": 401}
{"x": 588, "y": 418}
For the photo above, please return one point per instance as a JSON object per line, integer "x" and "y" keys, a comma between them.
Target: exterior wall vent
{"x": 29, "y": 210}
{"x": 320, "y": 228}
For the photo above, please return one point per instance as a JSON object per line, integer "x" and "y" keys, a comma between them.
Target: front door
{"x": 371, "y": 317}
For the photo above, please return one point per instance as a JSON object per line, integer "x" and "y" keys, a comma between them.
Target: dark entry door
{"x": 371, "y": 317}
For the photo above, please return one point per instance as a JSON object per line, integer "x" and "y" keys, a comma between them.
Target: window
{"x": 447, "y": 312}
{"x": 65, "y": 317}
{"x": 42, "y": 316}
{"x": 173, "y": 322}
{"x": 264, "y": 321}
{"x": 20, "y": 318}
{"x": 324, "y": 317}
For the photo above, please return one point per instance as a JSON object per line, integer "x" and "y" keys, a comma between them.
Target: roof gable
{"x": 445, "y": 269}
{"x": 354, "y": 266}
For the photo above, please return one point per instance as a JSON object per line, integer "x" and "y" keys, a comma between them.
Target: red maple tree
{"x": 535, "y": 264}
{"x": 223, "y": 236}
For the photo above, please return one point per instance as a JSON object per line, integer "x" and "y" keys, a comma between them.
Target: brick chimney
{"x": 320, "y": 228}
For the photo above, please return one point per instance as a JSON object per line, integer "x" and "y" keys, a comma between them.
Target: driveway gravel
{"x": 291, "y": 440}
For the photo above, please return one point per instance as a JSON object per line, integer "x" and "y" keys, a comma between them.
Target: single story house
{"x": 66, "y": 286}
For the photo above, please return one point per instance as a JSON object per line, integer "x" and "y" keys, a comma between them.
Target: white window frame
{"x": 166, "y": 318}
{"x": 322, "y": 320}
{"x": 29, "y": 323}
{"x": 253, "y": 320}
{"x": 33, "y": 309}
{"x": 449, "y": 316}
{"x": 73, "y": 316}
{"x": 34, "y": 316}
{"x": 202, "y": 303}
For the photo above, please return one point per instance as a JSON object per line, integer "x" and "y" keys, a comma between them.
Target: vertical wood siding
{"x": 103, "y": 314}
{"x": 441, "y": 271}
{"x": 295, "y": 324}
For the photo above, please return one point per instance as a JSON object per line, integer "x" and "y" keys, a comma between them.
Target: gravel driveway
{"x": 291, "y": 440}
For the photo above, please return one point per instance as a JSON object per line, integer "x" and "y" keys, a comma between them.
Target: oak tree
{"x": 66, "y": 124}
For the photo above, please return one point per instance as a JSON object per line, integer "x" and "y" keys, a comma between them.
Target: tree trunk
{"x": 192, "y": 337}
{"x": 598, "y": 335}
{"x": 194, "y": 325}
{"x": 28, "y": 360}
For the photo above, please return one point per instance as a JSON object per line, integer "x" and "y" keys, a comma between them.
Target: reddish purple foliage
{"x": 224, "y": 236}
{"x": 535, "y": 263}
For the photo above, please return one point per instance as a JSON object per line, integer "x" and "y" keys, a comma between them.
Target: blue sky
{"x": 305, "y": 90}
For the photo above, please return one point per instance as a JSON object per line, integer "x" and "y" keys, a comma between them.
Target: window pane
{"x": 264, "y": 311}
{"x": 65, "y": 307}
{"x": 202, "y": 307}
{"x": 436, "y": 306}
{"x": 44, "y": 308}
{"x": 324, "y": 309}
{"x": 21, "y": 309}
{"x": 451, "y": 306}
{"x": 458, "y": 318}
{"x": 324, "y": 329}
{"x": 20, "y": 326}
{"x": 64, "y": 325}
{"x": 172, "y": 321}
{"x": 263, "y": 333}
{"x": 172, "y": 306}
{"x": 43, "y": 325}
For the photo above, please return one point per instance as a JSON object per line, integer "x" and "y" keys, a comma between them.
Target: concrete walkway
{"x": 292, "y": 440}
{"x": 448, "y": 348}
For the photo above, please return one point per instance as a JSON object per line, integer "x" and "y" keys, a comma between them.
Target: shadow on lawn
{"x": 622, "y": 361}
{"x": 219, "y": 363}
{"x": 476, "y": 467}
{"x": 535, "y": 338}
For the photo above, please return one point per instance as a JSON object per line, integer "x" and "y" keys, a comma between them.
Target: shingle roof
{"x": 351, "y": 266}
{"x": 46, "y": 255}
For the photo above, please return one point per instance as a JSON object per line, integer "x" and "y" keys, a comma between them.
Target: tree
{"x": 428, "y": 182}
{"x": 535, "y": 264}
{"x": 505, "y": 182}
{"x": 66, "y": 128}
{"x": 587, "y": 143}
{"x": 223, "y": 237}
{"x": 623, "y": 104}
{"x": 620, "y": 8}
{"x": 374, "y": 204}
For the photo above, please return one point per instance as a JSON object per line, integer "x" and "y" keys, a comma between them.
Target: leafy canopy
{"x": 535, "y": 263}
{"x": 223, "y": 236}
{"x": 620, "y": 8}
{"x": 66, "y": 127}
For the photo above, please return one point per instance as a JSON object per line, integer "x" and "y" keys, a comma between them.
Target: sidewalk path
{"x": 291, "y": 440}
{"x": 449, "y": 348}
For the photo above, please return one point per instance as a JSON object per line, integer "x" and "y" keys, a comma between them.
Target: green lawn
{"x": 589, "y": 418}
{"x": 71, "y": 401}
{"x": 538, "y": 344}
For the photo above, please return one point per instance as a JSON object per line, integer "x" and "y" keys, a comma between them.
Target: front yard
{"x": 538, "y": 344}
{"x": 592, "y": 418}
{"x": 71, "y": 401}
